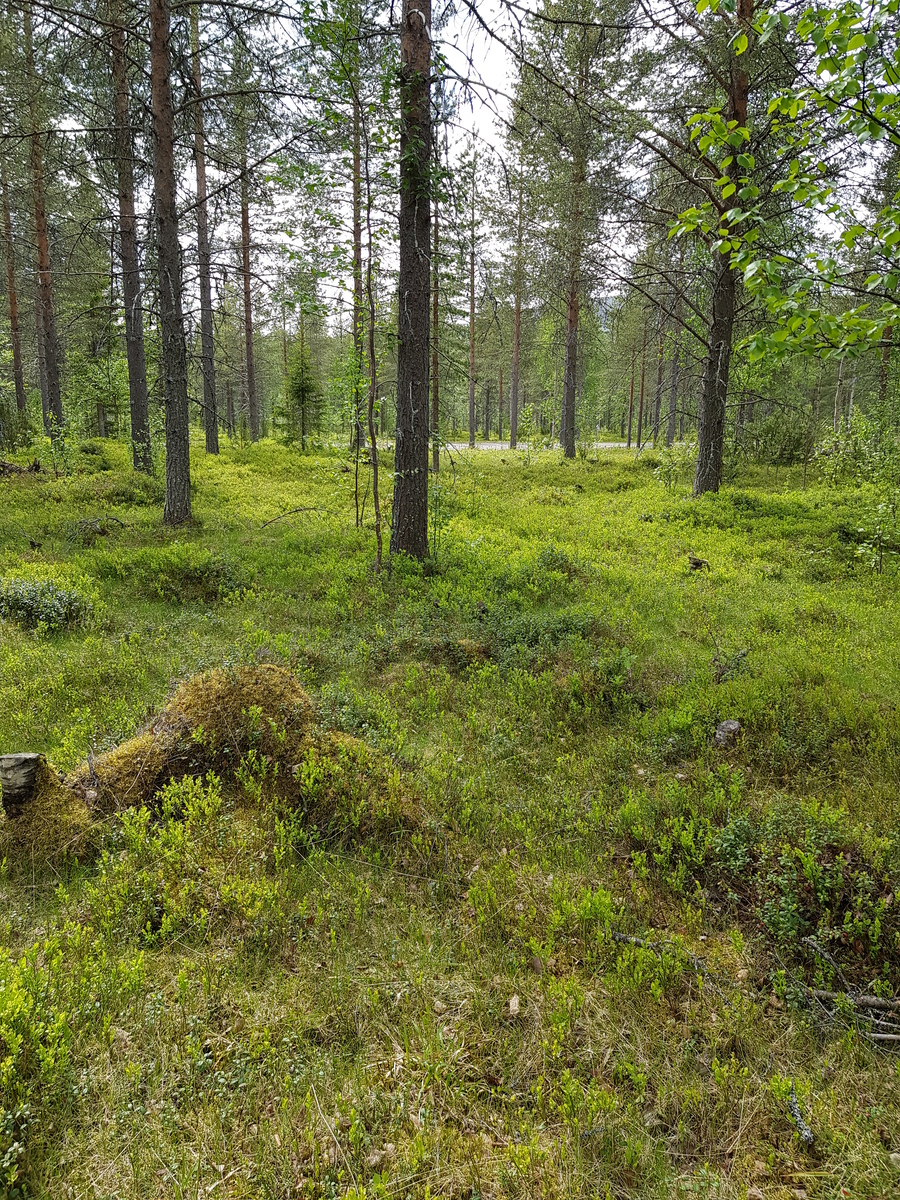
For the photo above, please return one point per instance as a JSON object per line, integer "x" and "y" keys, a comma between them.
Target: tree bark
{"x": 409, "y": 526}
{"x": 631, "y": 397}
{"x": 643, "y": 378}
{"x": 567, "y": 410}
{"x": 472, "y": 314}
{"x": 141, "y": 456}
{"x": 657, "y": 399}
{"x": 887, "y": 342}
{"x": 714, "y": 388}
{"x": 517, "y": 328}
{"x": 839, "y": 397}
{"x": 50, "y": 339}
{"x": 207, "y": 339}
{"x": 435, "y": 327}
{"x": 13, "y": 296}
{"x": 359, "y": 435}
{"x": 500, "y": 406}
{"x": 673, "y": 388}
{"x": 252, "y": 397}
{"x": 42, "y": 368}
{"x": 177, "y": 507}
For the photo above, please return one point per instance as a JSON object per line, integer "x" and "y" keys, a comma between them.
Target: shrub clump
{"x": 43, "y": 605}
{"x": 179, "y": 573}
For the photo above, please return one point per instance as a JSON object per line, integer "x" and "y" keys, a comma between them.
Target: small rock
{"x": 727, "y": 733}
{"x": 775, "y": 1001}
{"x": 755, "y": 1193}
{"x": 895, "y": 1160}
{"x": 514, "y": 1006}
{"x": 439, "y": 1007}
{"x": 536, "y": 963}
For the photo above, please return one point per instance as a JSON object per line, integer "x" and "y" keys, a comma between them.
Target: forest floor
{"x": 560, "y": 944}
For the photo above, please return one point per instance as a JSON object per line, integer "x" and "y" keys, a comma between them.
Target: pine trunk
{"x": 409, "y": 526}
{"x": 714, "y": 388}
{"x": 252, "y": 398}
{"x": 171, "y": 320}
{"x": 673, "y": 390}
{"x": 472, "y": 319}
{"x": 435, "y": 326}
{"x": 567, "y": 411}
{"x": 887, "y": 341}
{"x": 49, "y": 338}
{"x": 207, "y": 339}
{"x": 657, "y": 400}
{"x": 141, "y": 456}
{"x": 359, "y": 434}
{"x": 517, "y": 331}
{"x": 12, "y": 296}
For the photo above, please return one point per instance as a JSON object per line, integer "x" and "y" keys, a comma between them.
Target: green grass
{"x": 453, "y": 1012}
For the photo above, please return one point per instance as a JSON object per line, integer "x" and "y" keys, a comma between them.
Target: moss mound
{"x": 52, "y": 824}
{"x": 211, "y": 722}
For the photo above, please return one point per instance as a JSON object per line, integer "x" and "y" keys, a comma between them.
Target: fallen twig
{"x": 626, "y": 939}
{"x": 857, "y": 1001}
{"x": 291, "y": 512}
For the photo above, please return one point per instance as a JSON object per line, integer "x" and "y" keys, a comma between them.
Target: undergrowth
{"x": 507, "y": 922}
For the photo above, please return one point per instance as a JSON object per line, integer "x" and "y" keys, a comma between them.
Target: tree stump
{"x": 18, "y": 780}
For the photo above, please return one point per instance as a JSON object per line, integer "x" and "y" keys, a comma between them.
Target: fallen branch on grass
{"x": 291, "y": 512}
{"x": 11, "y": 468}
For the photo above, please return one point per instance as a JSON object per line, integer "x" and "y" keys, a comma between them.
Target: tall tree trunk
{"x": 13, "y": 296}
{"x": 472, "y": 314}
{"x": 252, "y": 397}
{"x": 229, "y": 405}
{"x": 500, "y": 407}
{"x": 631, "y": 396}
{"x": 42, "y": 366}
{"x": 517, "y": 327}
{"x": 714, "y": 388}
{"x": 567, "y": 410}
{"x": 141, "y": 456}
{"x": 409, "y": 526}
{"x": 42, "y": 235}
{"x": 177, "y": 507}
{"x": 573, "y": 285}
{"x": 487, "y": 412}
{"x": 657, "y": 399}
{"x": 673, "y": 387}
{"x": 643, "y": 378}
{"x": 435, "y": 328}
{"x": 839, "y": 397}
{"x": 887, "y": 342}
{"x": 359, "y": 435}
{"x": 207, "y": 340}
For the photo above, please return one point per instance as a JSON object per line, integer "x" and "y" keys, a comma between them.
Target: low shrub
{"x": 179, "y": 573}
{"x": 43, "y": 605}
